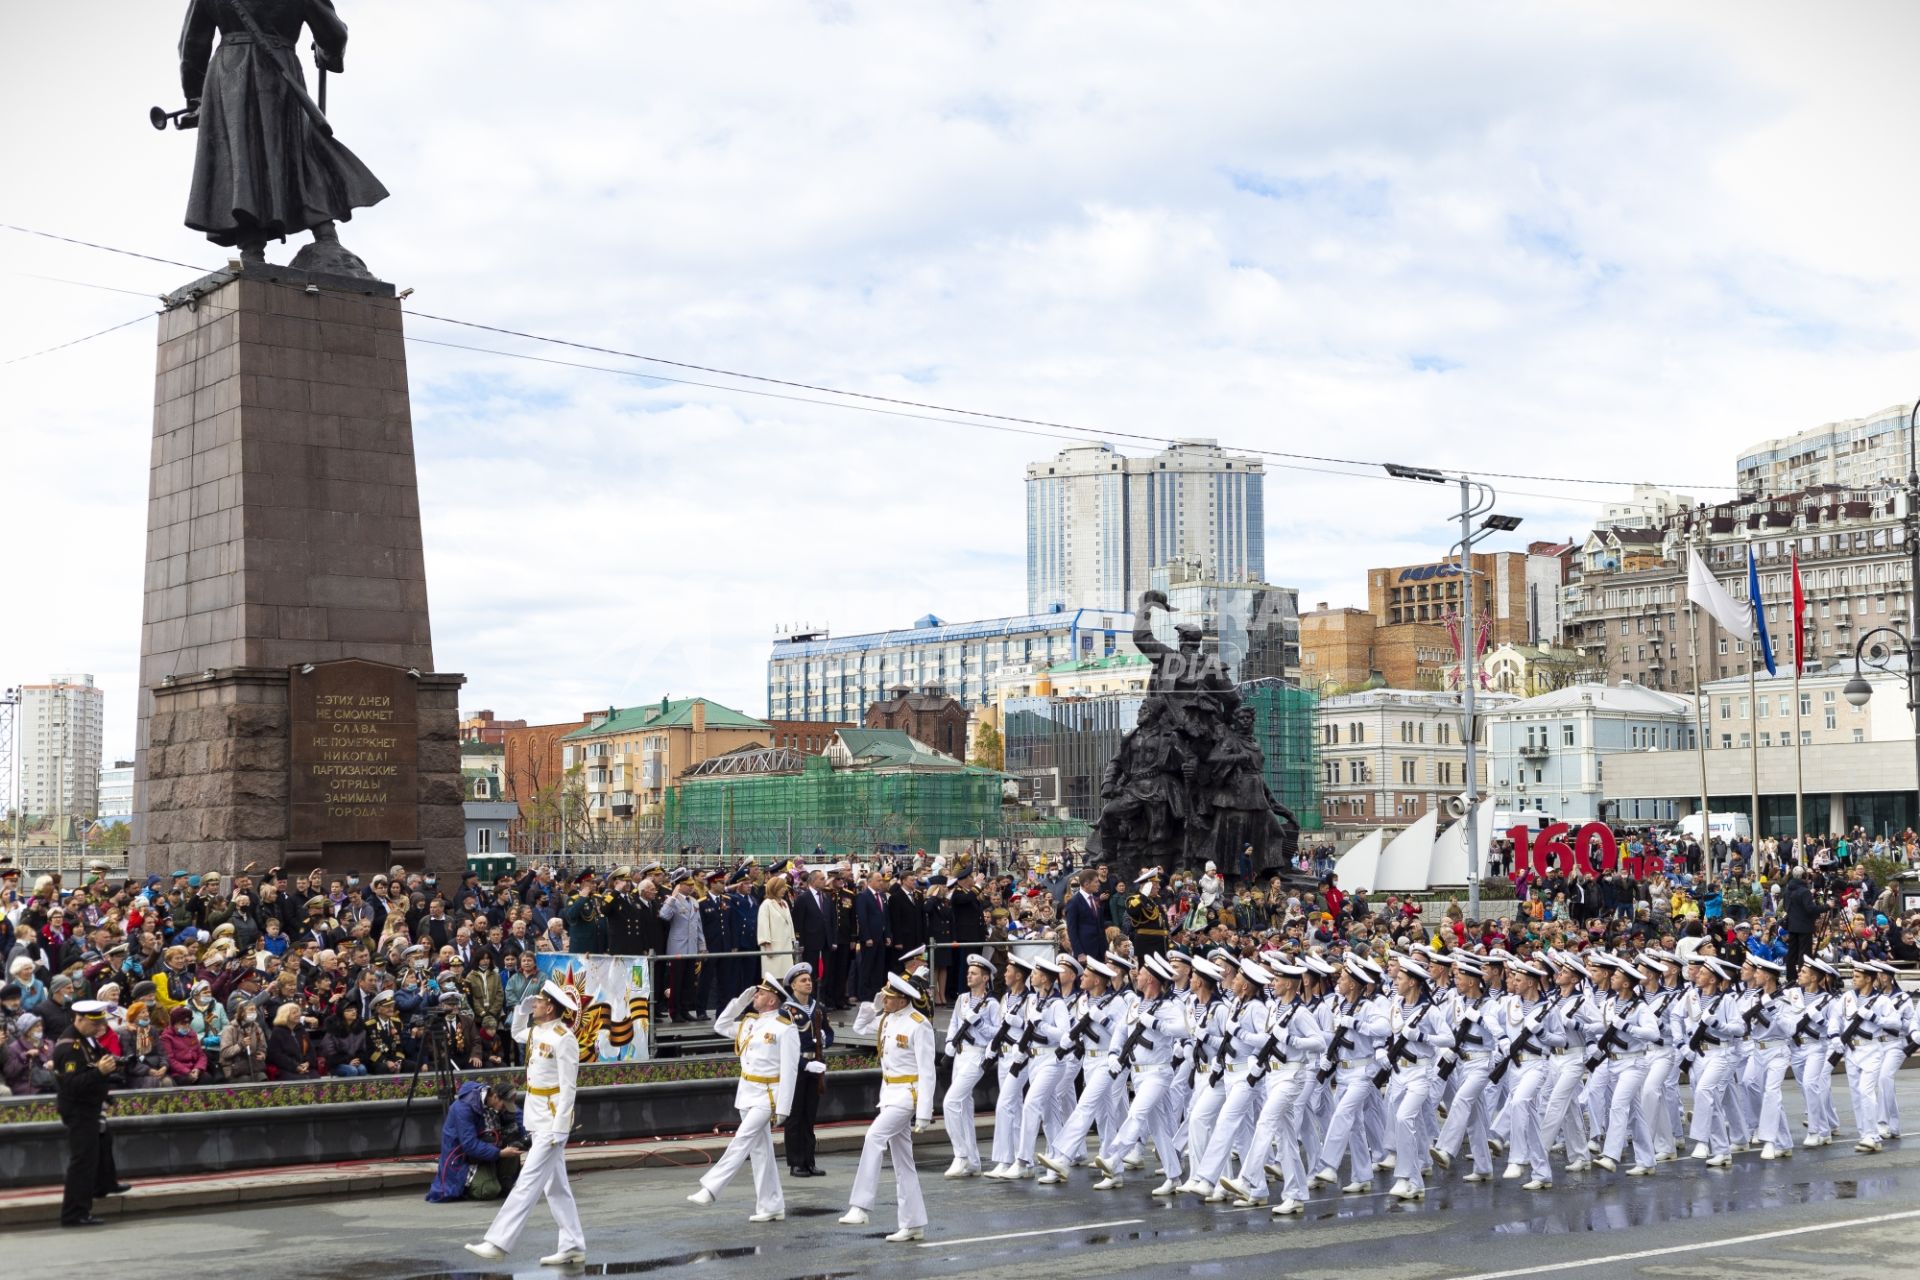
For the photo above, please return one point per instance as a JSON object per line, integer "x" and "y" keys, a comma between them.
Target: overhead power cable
{"x": 950, "y": 413}
{"x": 77, "y": 341}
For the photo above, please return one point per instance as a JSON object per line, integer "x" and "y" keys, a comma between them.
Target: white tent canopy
{"x": 1359, "y": 865}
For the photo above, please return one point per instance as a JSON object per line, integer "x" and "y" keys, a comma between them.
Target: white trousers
{"x": 956, "y": 1109}
{"x": 1771, "y": 1064}
{"x": 1412, "y": 1118}
{"x": 1232, "y": 1126}
{"x": 542, "y": 1173}
{"x": 753, "y": 1140}
{"x": 1863, "y": 1088}
{"x": 1889, "y": 1104}
{"x": 1346, "y": 1126}
{"x": 1565, "y": 1118}
{"x": 1467, "y": 1113}
{"x": 1279, "y": 1124}
{"x": 890, "y": 1135}
{"x": 1625, "y": 1116}
{"x": 1657, "y": 1096}
{"x": 1528, "y": 1084}
{"x": 1815, "y": 1074}
{"x": 1714, "y": 1080}
{"x": 1149, "y": 1117}
{"x": 1097, "y": 1094}
{"x": 1007, "y": 1111}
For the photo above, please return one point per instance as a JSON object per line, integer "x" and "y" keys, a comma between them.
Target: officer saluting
{"x": 84, "y": 1074}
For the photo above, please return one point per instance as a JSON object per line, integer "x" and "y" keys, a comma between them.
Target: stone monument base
{"x": 224, "y": 774}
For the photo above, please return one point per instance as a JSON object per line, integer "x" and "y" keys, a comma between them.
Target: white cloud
{"x": 1583, "y": 239}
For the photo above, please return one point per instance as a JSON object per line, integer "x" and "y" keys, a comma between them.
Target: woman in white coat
{"x": 775, "y": 930}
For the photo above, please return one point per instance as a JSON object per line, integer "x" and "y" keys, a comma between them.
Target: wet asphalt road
{"x": 1817, "y": 1211}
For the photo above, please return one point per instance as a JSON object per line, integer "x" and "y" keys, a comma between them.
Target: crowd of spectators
{"x": 295, "y": 977}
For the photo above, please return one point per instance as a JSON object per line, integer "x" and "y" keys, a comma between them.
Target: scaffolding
{"x": 1284, "y": 726}
{"x": 844, "y": 812}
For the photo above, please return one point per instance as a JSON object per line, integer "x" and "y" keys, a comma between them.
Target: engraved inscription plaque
{"x": 356, "y": 744}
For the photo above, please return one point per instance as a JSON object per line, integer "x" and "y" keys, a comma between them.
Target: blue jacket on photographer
{"x": 483, "y": 1124}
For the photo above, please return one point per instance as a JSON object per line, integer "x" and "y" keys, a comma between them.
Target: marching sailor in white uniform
{"x": 769, "y": 1050}
{"x": 553, "y": 1074}
{"x": 903, "y": 1041}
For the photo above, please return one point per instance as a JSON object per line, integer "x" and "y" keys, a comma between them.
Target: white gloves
{"x": 948, "y": 1050}
{"x": 816, "y": 1068}
{"x": 778, "y": 1121}
{"x": 921, "y": 1126}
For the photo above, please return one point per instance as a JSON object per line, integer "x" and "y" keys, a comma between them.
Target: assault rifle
{"x": 966, "y": 1029}
{"x": 1522, "y": 1043}
{"x": 1024, "y": 1046}
{"x": 1263, "y": 1060}
{"x": 1611, "y": 1039}
{"x": 1001, "y": 1038}
{"x": 1855, "y": 1025}
{"x": 1397, "y": 1047}
{"x": 1805, "y": 1025}
{"x": 1135, "y": 1038}
{"x": 1459, "y": 1037}
{"x": 1076, "y": 1036}
{"x": 1342, "y": 1039}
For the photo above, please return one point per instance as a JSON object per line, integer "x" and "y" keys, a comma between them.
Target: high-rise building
{"x": 60, "y": 724}
{"x": 116, "y": 790}
{"x": 1099, "y": 523}
{"x": 1856, "y": 453}
{"x": 1253, "y": 627}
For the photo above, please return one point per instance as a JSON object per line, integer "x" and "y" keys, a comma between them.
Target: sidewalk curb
{"x": 37, "y": 1206}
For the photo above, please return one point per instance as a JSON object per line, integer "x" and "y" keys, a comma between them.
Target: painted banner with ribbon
{"x": 616, "y": 1002}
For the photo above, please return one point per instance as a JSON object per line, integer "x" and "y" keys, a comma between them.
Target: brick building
{"x": 808, "y": 737}
{"x": 926, "y": 714}
{"x": 1344, "y": 649}
{"x": 1431, "y": 593}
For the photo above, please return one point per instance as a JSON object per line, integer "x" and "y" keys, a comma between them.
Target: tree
{"x": 989, "y": 752}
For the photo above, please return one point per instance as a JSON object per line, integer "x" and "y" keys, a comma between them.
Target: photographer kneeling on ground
{"x": 480, "y": 1145}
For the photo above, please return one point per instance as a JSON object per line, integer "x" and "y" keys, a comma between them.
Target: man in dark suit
{"x": 871, "y": 937}
{"x": 813, "y": 924}
{"x": 969, "y": 930}
{"x": 906, "y": 918}
{"x": 1803, "y": 917}
{"x": 1086, "y": 922}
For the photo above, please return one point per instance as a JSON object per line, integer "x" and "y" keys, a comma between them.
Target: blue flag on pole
{"x": 1759, "y": 612}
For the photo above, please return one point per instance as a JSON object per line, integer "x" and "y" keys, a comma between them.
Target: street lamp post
{"x": 1476, "y": 499}
{"x": 1859, "y": 691}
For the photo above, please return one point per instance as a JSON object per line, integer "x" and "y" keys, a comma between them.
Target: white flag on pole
{"x": 1705, "y": 590}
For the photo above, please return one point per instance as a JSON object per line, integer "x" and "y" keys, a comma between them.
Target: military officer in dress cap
{"x": 84, "y": 1074}
{"x": 809, "y": 1018}
{"x": 553, "y": 1076}
{"x": 769, "y": 1050}
{"x": 903, "y": 1040}
{"x": 1146, "y": 918}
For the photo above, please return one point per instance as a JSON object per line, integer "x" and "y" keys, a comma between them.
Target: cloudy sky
{"x": 1587, "y": 241}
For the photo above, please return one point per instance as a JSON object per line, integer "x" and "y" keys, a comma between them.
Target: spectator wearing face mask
{"x": 243, "y": 1045}
{"x": 26, "y": 1064}
{"x": 186, "y": 1058}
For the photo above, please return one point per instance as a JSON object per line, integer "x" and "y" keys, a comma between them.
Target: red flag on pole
{"x": 1799, "y": 615}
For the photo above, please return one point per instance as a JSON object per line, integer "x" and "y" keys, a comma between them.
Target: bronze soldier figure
{"x": 266, "y": 164}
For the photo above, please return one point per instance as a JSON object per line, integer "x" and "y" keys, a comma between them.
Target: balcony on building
{"x": 1533, "y": 751}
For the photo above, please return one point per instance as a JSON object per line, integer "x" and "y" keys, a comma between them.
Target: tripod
{"x": 435, "y": 1058}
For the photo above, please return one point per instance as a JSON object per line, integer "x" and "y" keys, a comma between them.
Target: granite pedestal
{"x": 283, "y": 539}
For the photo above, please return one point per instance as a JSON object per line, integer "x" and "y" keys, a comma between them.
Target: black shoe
{"x": 120, "y": 1188}
{"x": 88, "y": 1221}
{"x": 815, "y": 1171}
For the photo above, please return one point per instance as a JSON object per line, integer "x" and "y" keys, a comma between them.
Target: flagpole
{"x": 1753, "y": 698}
{"x": 1700, "y": 716}
{"x": 1799, "y": 773}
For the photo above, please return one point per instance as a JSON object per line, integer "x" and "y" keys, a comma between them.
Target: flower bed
{"x": 339, "y": 1089}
